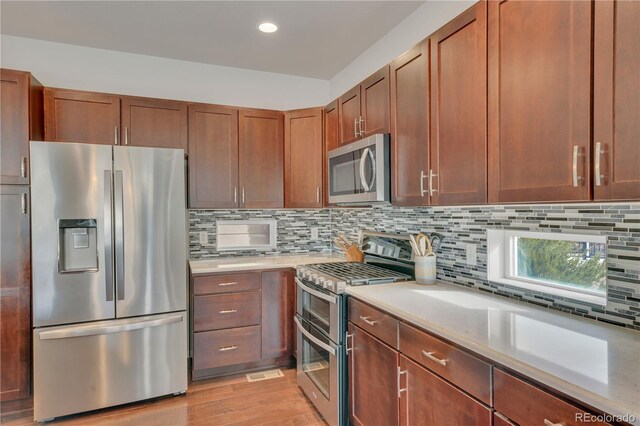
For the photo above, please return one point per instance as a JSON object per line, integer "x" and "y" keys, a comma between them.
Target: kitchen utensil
{"x": 351, "y": 251}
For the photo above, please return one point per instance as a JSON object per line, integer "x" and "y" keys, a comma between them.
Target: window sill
{"x": 553, "y": 291}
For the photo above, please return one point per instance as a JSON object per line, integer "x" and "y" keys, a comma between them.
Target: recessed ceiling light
{"x": 268, "y": 27}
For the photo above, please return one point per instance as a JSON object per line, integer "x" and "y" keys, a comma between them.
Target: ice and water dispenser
{"x": 77, "y": 245}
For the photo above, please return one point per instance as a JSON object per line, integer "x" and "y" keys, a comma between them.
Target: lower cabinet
{"x": 241, "y": 321}
{"x": 373, "y": 397}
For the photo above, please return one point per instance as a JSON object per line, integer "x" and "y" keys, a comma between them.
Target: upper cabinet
{"x": 101, "y": 118}
{"x": 616, "y": 103}
{"x": 213, "y": 163}
{"x": 364, "y": 110}
{"x": 20, "y": 122}
{"x": 331, "y": 141}
{"x": 85, "y": 117}
{"x": 154, "y": 122}
{"x": 458, "y": 172}
{"x": 539, "y": 61}
{"x": 410, "y": 126}
{"x": 261, "y": 159}
{"x": 303, "y": 158}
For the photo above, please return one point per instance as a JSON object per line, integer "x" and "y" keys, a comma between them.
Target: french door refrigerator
{"x": 109, "y": 275}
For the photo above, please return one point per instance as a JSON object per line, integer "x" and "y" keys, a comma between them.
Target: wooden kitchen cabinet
{"x": 364, "y": 110}
{"x": 277, "y": 313}
{"x": 261, "y": 148}
{"x": 85, "y": 117}
{"x": 616, "y": 100}
{"x": 154, "y": 123}
{"x": 426, "y": 399}
{"x": 15, "y": 294}
{"x": 410, "y": 126}
{"x": 213, "y": 159}
{"x": 373, "y": 380}
{"x": 303, "y": 158}
{"x": 20, "y": 121}
{"x": 458, "y": 143}
{"x": 331, "y": 141}
{"x": 539, "y": 91}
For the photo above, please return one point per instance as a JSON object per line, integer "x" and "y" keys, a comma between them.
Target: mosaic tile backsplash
{"x": 468, "y": 225}
{"x": 461, "y": 226}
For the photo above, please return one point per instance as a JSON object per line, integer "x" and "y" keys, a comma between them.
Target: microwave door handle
{"x": 373, "y": 167}
{"x": 313, "y": 338}
{"x": 316, "y": 293}
{"x": 363, "y": 178}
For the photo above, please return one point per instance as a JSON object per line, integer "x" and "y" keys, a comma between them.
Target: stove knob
{"x": 330, "y": 285}
{"x": 320, "y": 280}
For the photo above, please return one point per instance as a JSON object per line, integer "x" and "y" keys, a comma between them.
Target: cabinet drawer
{"x": 469, "y": 373}
{"x": 226, "y": 347}
{"x": 381, "y": 325}
{"x": 231, "y": 283}
{"x": 232, "y": 310}
{"x": 526, "y": 404}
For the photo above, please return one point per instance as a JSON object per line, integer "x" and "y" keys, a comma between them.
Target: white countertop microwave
{"x": 359, "y": 173}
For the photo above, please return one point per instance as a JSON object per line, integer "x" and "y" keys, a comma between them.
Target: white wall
{"x": 85, "y": 68}
{"x": 415, "y": 27}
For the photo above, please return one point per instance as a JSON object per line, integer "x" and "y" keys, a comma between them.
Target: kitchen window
{"x": 565, "y": 265}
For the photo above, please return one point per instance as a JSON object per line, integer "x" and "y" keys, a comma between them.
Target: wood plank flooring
{"x": 224, "y": 401}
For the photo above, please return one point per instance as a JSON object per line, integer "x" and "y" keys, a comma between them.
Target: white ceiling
{"x": 315, "y": 38}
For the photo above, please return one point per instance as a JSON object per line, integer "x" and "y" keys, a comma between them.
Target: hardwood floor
{"x": 224, "y": 401}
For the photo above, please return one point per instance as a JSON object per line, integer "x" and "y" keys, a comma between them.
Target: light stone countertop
{"x": 254, "y": 263}
{"x": 596, "y": 363}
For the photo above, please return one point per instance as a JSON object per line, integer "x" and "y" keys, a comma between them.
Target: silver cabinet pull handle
{"x": 355, "y": 127}
{"x": 367, "y": 320}
{"x": 228, "y": 348}
{"x": 576, "y": 154}
{"x": 23, "y": 167}
{"x": 229, "y": 283}
{"x": 422, "y": 177}
{"x": 362, "y": 130}
{"x": 435, "y": 359}
{"x": 23, "y": 203}
{"x": 431, "y": 176}
{"x": 596, "y": 160}
{"x": 243, "y": 195}
{"x": 126, "y": 136}
{"x": 108, "y": 236}
{"x": 400, "y": 390}
{"x": 115, "y": 135}
{"x": 317, "y": 194}
{"x": 550, "y": 423}
{"x": 348, "y": 348}
{"x": 228, "y": 311}
{"x": 235, "y": 194}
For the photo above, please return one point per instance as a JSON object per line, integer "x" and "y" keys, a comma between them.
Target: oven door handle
{"x": 313, "y": 338}
{"x": 316, "y": 293}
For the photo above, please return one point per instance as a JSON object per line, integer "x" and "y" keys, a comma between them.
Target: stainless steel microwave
{"x": 359, "y": 172}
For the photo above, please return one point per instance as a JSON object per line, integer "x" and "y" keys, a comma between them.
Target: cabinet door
{"x": 331, "y": 141}
{"x": 156, "y": 123}
{"x": 616, "y": 103}
{"x": 86, "y": 117}
{"x": 375, "y": 103}
{"x": 303, "y": 158}
{"x": 427, "y": 399}
{"x": 459, "y": 110}
{"x": 539, "y": 100}
{"x": 349, "y": 112}
{"x": 14, "y": 126}
{"x": 410, "y": 126}
{"x": 373, "y": 380}
{"x": 261, "y": 159}
{"x": 15, "y": 309}
{"x": 213, "y": 159}
{"x": 277, "y": 315}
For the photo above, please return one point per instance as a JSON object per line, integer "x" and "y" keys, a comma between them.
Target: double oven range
{"x": 321, "y": 316}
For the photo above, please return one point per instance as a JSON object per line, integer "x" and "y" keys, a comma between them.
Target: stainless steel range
{"x": 321, "y": 316}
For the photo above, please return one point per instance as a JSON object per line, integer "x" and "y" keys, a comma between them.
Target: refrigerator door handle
{"x": 119, "y": 231}
{"x": 97, "y": 329}
{"x": 108, "y": 237}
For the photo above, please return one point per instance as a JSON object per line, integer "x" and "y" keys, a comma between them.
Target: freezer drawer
{"x": 84, "y": 367}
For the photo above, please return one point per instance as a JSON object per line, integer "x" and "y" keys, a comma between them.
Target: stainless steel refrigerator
{"x": 109, "y": 275}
